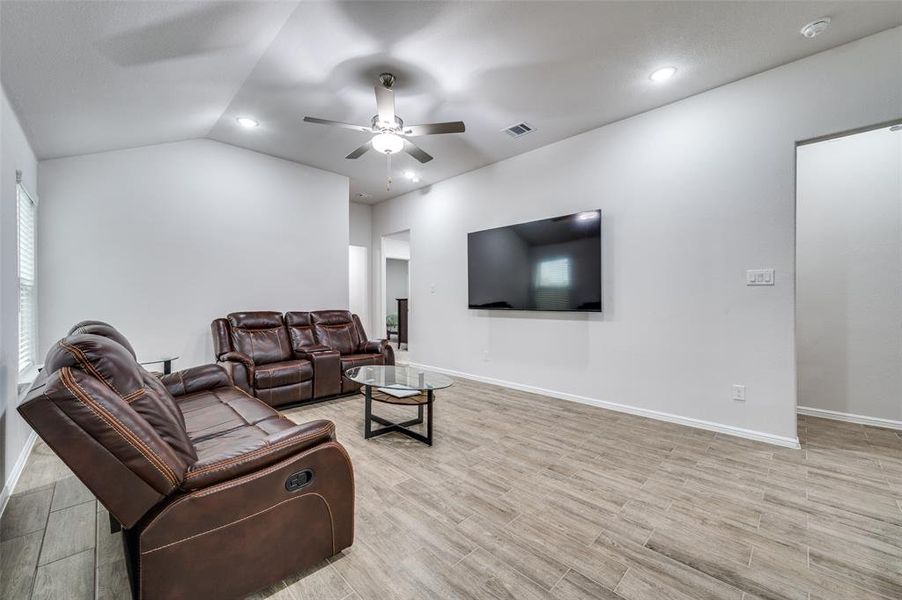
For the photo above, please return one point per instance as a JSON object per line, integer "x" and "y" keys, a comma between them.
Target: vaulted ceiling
{"x": 94, "y": 76}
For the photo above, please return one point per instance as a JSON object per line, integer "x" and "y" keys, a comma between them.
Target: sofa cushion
{"x": 104, "y": 329}
{"x": 261, "y": 335}
{"x": 336, "y": 329}
{"x": 211, "y": 412}
{"x": 282, "y": 373}
{"x": 300, "y": 331}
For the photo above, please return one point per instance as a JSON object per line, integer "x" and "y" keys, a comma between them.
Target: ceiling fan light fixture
{"x": 388, "y": 143}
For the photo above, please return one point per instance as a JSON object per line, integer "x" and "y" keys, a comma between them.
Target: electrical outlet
{"x": 738, "y": 393}
{"x": 759, "y": 277}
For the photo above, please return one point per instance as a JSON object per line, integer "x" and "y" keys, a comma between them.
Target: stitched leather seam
{"x": 246, "y": 478}
{"x": 281, "y": 349}
{"x": 106, "y": 416}
{"x": 253, "y": 330}
{"x": 246, "y": 517}
{"x": 220, "y": 465}
{"x": 271, "y": 469}
{"x": 134, "y": 395}
{"x": 234, "y": 462}
{"x": 82, "y": 358}
{"x": 109, "y": 419}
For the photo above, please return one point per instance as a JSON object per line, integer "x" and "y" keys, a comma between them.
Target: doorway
{"x": 359, "y": 285}
{"x": 395, "y": 293}
{"x": 849, "y": 277}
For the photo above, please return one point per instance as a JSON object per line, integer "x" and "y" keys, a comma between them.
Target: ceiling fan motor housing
{"x": 387, "y": 79}
{"x": 380, "y": 126}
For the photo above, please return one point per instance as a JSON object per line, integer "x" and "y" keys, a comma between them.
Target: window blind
{"x": 28, "y": 300}
{"x": 552, "y": 289}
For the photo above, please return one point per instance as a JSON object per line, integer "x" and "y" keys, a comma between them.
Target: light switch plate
{"x": 759, "y": 277}
{"x": 738, "y": 393}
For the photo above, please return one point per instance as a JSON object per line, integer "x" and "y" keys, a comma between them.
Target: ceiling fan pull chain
{"x": 388, "y": 173}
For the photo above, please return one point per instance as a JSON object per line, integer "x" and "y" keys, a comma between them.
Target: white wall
{"x": 360, "y": 224}
{"x": 692, "y": 195}
{"x": 162, "y": 239}
{"x": 15, "y": 154}
{"x": 360, "y": 227}
{"x": 849, "y": 278}
{"x": 359, "y": 283}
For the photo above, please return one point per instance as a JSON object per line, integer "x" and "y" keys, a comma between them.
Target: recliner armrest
{"x": 373, "y": 346}
{"x": 241, "y": 357}
{"x": 304, "y": 351}
{"x": 196, "y": 379}
{"x": 276, "y": 447}
{"x": 240, "y": 368}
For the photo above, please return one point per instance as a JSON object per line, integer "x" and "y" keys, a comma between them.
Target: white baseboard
{"x": 750, "y": 434}
{"x": 849, "y": 417}
{"x": 13, "y": 478}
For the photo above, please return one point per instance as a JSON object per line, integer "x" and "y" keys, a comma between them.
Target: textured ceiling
{"x": 94, "y": 76}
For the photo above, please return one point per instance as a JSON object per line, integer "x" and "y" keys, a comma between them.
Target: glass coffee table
{"x": 405, "y": 386}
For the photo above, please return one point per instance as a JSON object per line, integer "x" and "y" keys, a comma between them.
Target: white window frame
{"x": 27, "y": 365}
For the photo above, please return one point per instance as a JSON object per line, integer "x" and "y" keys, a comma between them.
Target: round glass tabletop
{"x": 398, "y": 377}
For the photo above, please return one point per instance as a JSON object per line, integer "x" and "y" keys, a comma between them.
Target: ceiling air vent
{"x": 519, "y": 129}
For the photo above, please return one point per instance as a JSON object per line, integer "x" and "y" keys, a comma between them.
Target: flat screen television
{"x": 552, "y": 264}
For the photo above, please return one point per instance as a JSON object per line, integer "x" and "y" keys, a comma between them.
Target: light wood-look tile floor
{"x": 526, "y": 497}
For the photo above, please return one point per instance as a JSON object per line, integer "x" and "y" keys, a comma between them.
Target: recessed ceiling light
{"x": 816, "y": 27}
{"x": 415, "y": 179}
{"x": 663, "y": 74}
{"x": 247, "y": 122}
{"x": 409, "y": 174}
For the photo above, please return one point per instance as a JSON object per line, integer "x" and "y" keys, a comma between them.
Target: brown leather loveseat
{"x": 219, "y": 495}
{"x": 295, "y": 357}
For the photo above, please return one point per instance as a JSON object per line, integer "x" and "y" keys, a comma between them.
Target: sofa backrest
{"x": 261, "y": 335}
{"x": 300, "y": 331}
{"x": 111, "y": 422}
{"x": 336, "y": 329}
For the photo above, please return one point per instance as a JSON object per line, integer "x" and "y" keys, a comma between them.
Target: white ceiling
{"x": 94, "y": 76}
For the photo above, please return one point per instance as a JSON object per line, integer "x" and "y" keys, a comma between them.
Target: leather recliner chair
{"x": 298, "y": 357}
{"x": 219, "y": 495}
{"x": 255, "y": 348}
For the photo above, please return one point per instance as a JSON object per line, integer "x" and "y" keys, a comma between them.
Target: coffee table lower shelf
{"x": 422, "y": 399}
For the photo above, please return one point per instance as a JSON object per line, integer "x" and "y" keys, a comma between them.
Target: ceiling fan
{"x": 390, "y": 132}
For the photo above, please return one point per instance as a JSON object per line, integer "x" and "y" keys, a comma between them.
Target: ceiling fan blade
{"x": 338, "y": 124}
{"x": 385, "y": 105}
{"x": 416, "y": 152}
{"x": 360, "y": 151}
{"x": 434, "y": 128}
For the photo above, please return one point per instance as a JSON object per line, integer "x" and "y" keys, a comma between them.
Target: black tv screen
{"x": 552, "y": 264}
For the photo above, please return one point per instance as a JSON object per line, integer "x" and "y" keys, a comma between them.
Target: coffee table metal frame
{"x": 424, "y": 398}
